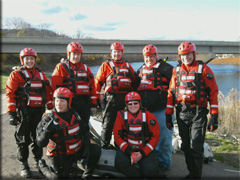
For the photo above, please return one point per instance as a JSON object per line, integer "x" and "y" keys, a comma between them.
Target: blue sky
{"x": 133, "y": 19}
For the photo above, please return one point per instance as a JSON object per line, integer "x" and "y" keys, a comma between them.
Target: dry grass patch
{"x": 233, "y": 61}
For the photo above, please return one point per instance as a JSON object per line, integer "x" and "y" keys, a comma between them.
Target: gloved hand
{"x": 169, "y": 122}
{"x": 128, "y": 151}
{"x": 49, "y": 127}
{"x": 13, "y": 119}
{"x": 93, "y": 110}
{"x": 213, "y": 122}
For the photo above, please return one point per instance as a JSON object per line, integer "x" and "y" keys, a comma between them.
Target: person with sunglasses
{"x": 136, "y": 134}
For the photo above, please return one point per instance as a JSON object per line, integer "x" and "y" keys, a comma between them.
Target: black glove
{"x": 169, "y": 122}
{"x": 49, "y": 127}
{"x": 13, "y": 119}
{"x": 213, "y": 122}
{"x": 128, "y": 151}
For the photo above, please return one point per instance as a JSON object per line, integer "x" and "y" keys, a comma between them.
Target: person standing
{"x": 79, "y": 79}
{"x": 192, "y": 86}
{"x": 152, "y": 83}
{"x": 117, "y": 77}
{"x": 136, "y": 133}
{"x": 28, "y": 91}
{"x": 66, "y": 138}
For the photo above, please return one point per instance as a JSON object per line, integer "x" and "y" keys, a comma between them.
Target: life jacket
{"x": 67, "y": 139}
{"x": 120, "y": 79}
{"x": 190, "y": 87}
{"x": 152, "y": 79}
{"x": 136, "y": 131}
{"x": 33, "y": 90}
{"x": 77, "y": 81}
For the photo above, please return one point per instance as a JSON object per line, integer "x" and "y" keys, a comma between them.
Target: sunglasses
{"x": 130, "y": 103}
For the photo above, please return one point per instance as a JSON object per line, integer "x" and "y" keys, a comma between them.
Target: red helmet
{"x": 185, "y": 48}
{"x": 116, "y": 46}
{"x": 149, "y": 50}
{"x": 74, "y": 47}
{"x": 133, "y": 96}
{"x": 27, "y": 52}
{"x": 63, "y": 93}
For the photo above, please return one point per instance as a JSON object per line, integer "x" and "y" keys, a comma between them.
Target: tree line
{"x": 18, "y": 27}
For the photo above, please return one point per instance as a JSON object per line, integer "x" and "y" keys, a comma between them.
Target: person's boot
{"x": 87, "y": 174}
{"x": 190, "y": 165}
{"x": 25, "y": 170}
{"x": 45, "y": 170}
{"x": 108, "y": 146}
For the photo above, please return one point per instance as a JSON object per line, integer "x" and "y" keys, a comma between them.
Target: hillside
{"x": 29, "y": 32}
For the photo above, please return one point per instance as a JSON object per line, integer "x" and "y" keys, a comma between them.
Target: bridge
{"x": 99, "y": 46}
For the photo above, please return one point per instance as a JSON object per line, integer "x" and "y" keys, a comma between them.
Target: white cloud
{"x": 122, "y": 19}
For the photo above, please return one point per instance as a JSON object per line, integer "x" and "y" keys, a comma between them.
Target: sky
{"x": 210, "y": 20}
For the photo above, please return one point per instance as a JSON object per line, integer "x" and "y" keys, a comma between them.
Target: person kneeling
{"x": 67, "y": 139}
{"x": 136, "y": 133}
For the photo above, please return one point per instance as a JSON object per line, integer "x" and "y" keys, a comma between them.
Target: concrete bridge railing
{"x": 100, "y": 46}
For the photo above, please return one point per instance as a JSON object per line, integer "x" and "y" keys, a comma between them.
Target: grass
{"x": 229, "y": 113}
{"x": 4, "y": 78}
{"x": 230, "y": 60}
{"x": 225, "y": 150}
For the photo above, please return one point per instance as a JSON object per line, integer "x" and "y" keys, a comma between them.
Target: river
{"x": 227, "y": 76}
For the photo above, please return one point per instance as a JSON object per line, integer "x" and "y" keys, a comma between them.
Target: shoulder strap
{"x": 66, "y": 65}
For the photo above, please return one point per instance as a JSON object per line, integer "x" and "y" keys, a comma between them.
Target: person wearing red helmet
{"x": 192, "y": 87}
{"x": 28, "y": 91}
{"x": 117, "y": 77}
{"x": 66, "y": 138}
{"x": 152, "y": 80}
{"x": 136, "y": 134}
{"x": 79, "y": 79}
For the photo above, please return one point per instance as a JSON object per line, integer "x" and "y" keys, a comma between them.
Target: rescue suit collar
{"x": 67, "y": 116}
{"x": 118, "y": 61}
{"x": 136, "y": 114}
{"x": 188, "y": 67}
{"x": 76, "y": 65}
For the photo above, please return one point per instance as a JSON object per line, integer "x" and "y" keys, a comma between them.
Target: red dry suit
{"x": 118, "y": 77}
{"x": 194, "y": 85}
{"x": 76, "y": 77}
{"x": 141, "y": 132}
{"x": 29, "y": 85}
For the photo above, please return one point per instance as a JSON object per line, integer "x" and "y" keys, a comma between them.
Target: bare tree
{"x": 16, "y": 23}
{"x": 79, "y": 34}
{"x": 43, "y": 26}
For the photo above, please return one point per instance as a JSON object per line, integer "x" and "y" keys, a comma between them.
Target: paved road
{"x": 10, "y": 165}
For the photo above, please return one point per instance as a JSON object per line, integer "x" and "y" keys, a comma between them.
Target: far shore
{"x": 230, "y": 60}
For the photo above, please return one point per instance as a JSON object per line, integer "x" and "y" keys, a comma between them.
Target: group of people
{"x": 137, "y": 109}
